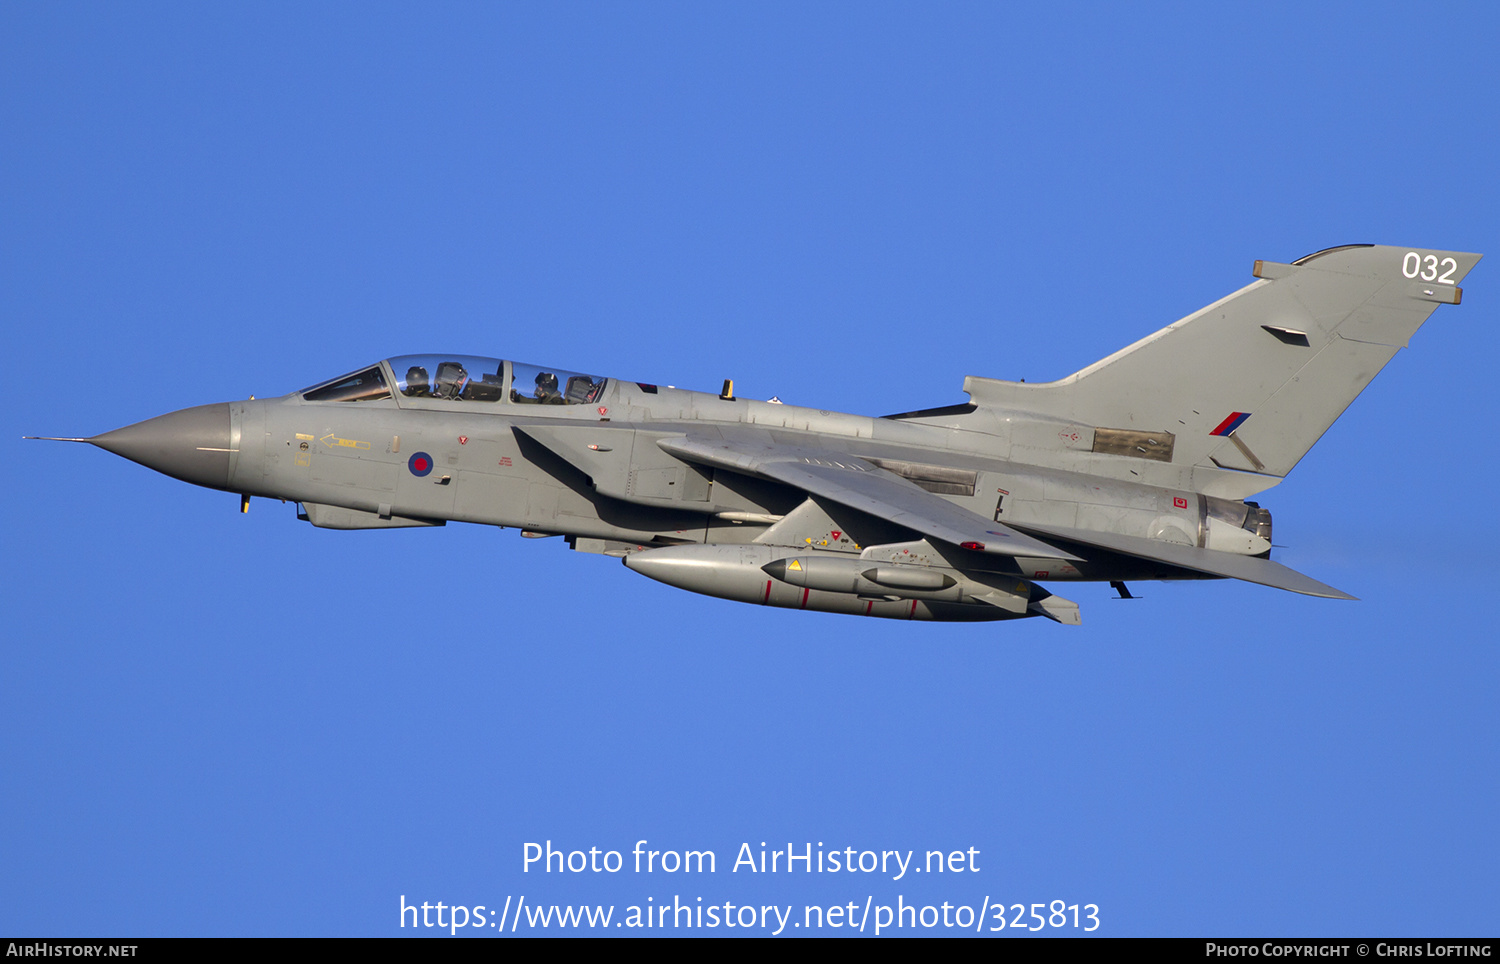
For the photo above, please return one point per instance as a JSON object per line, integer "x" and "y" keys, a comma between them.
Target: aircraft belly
{"x": 339, "y": 517}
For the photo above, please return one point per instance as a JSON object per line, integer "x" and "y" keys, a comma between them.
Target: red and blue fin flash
{"x": 1234, "y": 421}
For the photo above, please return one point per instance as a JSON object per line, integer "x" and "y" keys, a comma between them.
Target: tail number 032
{"x": 1414, "y": 265}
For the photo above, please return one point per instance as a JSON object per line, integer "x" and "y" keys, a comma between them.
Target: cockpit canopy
{"x": 362, "y": 386}
{"x": 465, "y": 377}
{"x": 462, "y": 378}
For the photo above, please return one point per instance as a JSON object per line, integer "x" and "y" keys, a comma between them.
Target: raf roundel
{"x": 420, "y": 464}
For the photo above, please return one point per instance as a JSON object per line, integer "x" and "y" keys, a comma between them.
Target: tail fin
{"x": 1253, "y": 380}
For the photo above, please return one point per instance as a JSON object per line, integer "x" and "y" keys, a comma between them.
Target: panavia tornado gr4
{"x": 1140, "y": 466}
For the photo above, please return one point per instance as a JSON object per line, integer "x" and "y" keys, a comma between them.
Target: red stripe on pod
{"x": 768, "y": 593}
{"x": 869, "y": 605}
{"x": 913, "y": 613}
{"x": 804, "y": 600}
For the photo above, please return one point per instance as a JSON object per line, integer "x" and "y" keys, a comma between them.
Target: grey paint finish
{"x": 193, "y": 444}
{"x": 1356, "y": 305}
{"x": 1135, "y": 467}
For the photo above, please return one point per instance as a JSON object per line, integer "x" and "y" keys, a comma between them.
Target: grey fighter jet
{"x": 1137, "y": 467}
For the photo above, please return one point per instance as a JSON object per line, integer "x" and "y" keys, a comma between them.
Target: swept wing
{"x": 861, "y": 485}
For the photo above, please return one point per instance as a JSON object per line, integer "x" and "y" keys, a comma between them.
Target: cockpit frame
{"x": 450, "y": 382}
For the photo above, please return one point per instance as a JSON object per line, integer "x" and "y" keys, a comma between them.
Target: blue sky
{"x": 223, "y": 724}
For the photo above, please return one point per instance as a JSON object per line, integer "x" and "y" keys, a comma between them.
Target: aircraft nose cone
{"x": 192, "y": 444}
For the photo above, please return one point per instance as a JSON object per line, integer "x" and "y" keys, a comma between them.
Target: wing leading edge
{"x": 858, "y": 484}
